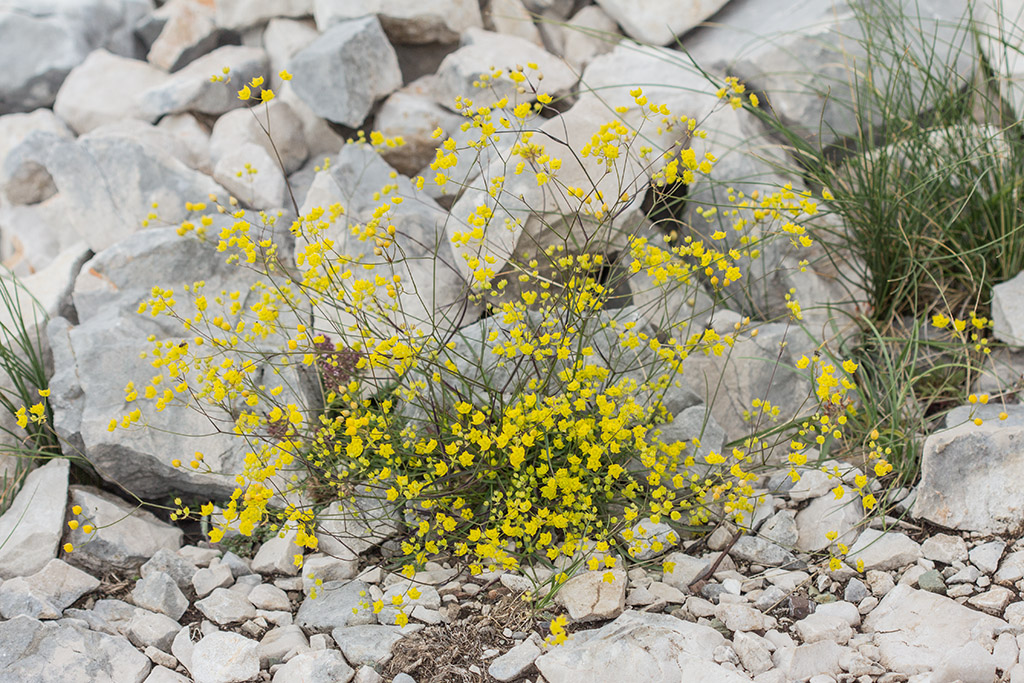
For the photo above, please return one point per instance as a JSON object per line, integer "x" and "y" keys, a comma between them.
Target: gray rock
{"x": 428, "y": 598}
{"x": 658, "y": 22}
{"x": 159, "y": 592}
{"x": 277, "y": 643}
{"x": 987, "y": 555}
{"x": 459, "y": 70}
{"x": 588, "y": 34}
{"x": 1007, "y": 311}
{"x": 109, "y": 185}
{"x": 242, "y": 14}
{"x": 414, "y": 116}
{"x": 746, "y": 375}
{"x": 944, "y": 548}
{"x": 346, "y": 70}
{"x": 1011, "y": 568}
{"x": 515, "y": 662}
{"x": 105, "y": 88}
{"x": 188, "y": 33}
{"x": 224, "y": 657}
{"x": 124, "y": 537}
{"x": 405, "y": 22}
{"x": 652, "y": 647}
{"x": 967, "y": 473}
{"x": 802, "y": 662}
{"x": 932, "y": 582}
{"x": 24, "y": 140}
{"x": 47, "y": 593}
{"x": 43, "y": 41}
{"x": 827, "y": 514}
{"x": 993, "y": 601}
{"x": 171, "y": 563}
{"x": 685, "y": 569}
{"x": 252, "y": 176}
{"x": 914, "y": 629}
{"x": 333, "y": 607}
{"x": 149, "y": 629}
{"x": 225, "y": 606}
{"x": 761, "y": 551}
{"x": 855, "y": 591}
{"x": 241, "y": 126}
{"x": 737, "y": 617}
{"x": 265, "y": 596}
{"x": 31, "y": 650}
{"x": 33, "y": 524}
{"x": 824, "y": 627}
{"x": 781, "y": 529}
{"x": 323, "y": 568}
{"x": 588, "y": 596}
{"x": 277, "y": 555}
{"x": 161, "y": 674}
{"x": 190, "y": 90}
{"x": 321, "y": 666}
{"x": 883, "y": 550}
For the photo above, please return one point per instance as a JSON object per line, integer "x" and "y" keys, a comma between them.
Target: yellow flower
{"x": 68, "y": 547}
{"x": 939, "y": 321}
{"x": 266, "y": 95}
{"x": 244, "y": 94}
{"x": 285, "y": 76}
{"x": 849, "y": 366}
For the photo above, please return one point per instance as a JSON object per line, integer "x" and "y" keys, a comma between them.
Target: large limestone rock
{"x": 124, "y": 536}
{"x": 346, "y": 70}
{"x": 105, "y": 88}
{"x": 31, "y": 650}
{"x": 191, "y": 89}
{"x": 109, "y": 185}
{"x": 20, "y": 180}
{"x": 33, "y": 524}
{"x": 405, "y": 21}
{"x": 96, "y": 359}
{"x": 659, "y": 22}
{"x": 652, "y": 647}
{"x": 1008, "y": 311}
{"x": 243, "y": 14}
{"x": 969, "y": 475}
{"x": 917, "y": 631}
{"x": 40, "y": 42}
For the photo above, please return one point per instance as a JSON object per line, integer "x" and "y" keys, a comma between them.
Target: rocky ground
{"x": 107, "y": 108}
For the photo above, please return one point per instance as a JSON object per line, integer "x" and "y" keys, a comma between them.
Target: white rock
{"x": 265, "y": 596}
{"x": 511, "y": 18}
{"x": 252, "y": 176}
{"x": 274, "y": 126}
{"x": 124, "y": 537}
{"x": 406, "y": 21}
{"x": 883, "y": 550}
{"x": 47, "y": 593}
{"x": 944, "y": 548}
{"x": 150, "y": 629}
{"x": 1011, "y": 568}
{"x": 161, "y": 674}
{"x": 1008, "y": 310}
{"x": 753, "y": 652}
{"x": 969, "y": 663}
{"x": 279, "y": 642}
{"x": 482, "y": 49}
{"x": 190, "y": 90}
{"x": 980, "y": 496}
{"x": 986, "y": 556}
{"x": 242, "y": 14}
{"x": 804, "y": 661}
{"x": 322, "y": 666}
{"x": 206, "y": 580}
{"x": 189, "y": 32}
{"x": 367, "y": 645}
{"x": 323, "y": 568}
{"x": 685, "y": 568}
{"x": 914, "y": 629}
{"x": 589, "y": 34}
{"x": 171, "y": 563}
{"x": 817, "y": 627}
{"x": 277, "y": 555}
{"x": 738, "y": 617}
{"x": 651, "y": 647}
{"x": 847, "y": 611}
{"x": 224, "y": 606}
{"x": 159, "y": 592}
{"x": 658, "y": 22}
{"x": 589, "y": 596}
{"x": 993, "y": 601}
{"x": 224, "y": 657}
{"x": 515, "y": 662}
{"x": 346, "y": 70}
{"x": 33, "y": 524}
